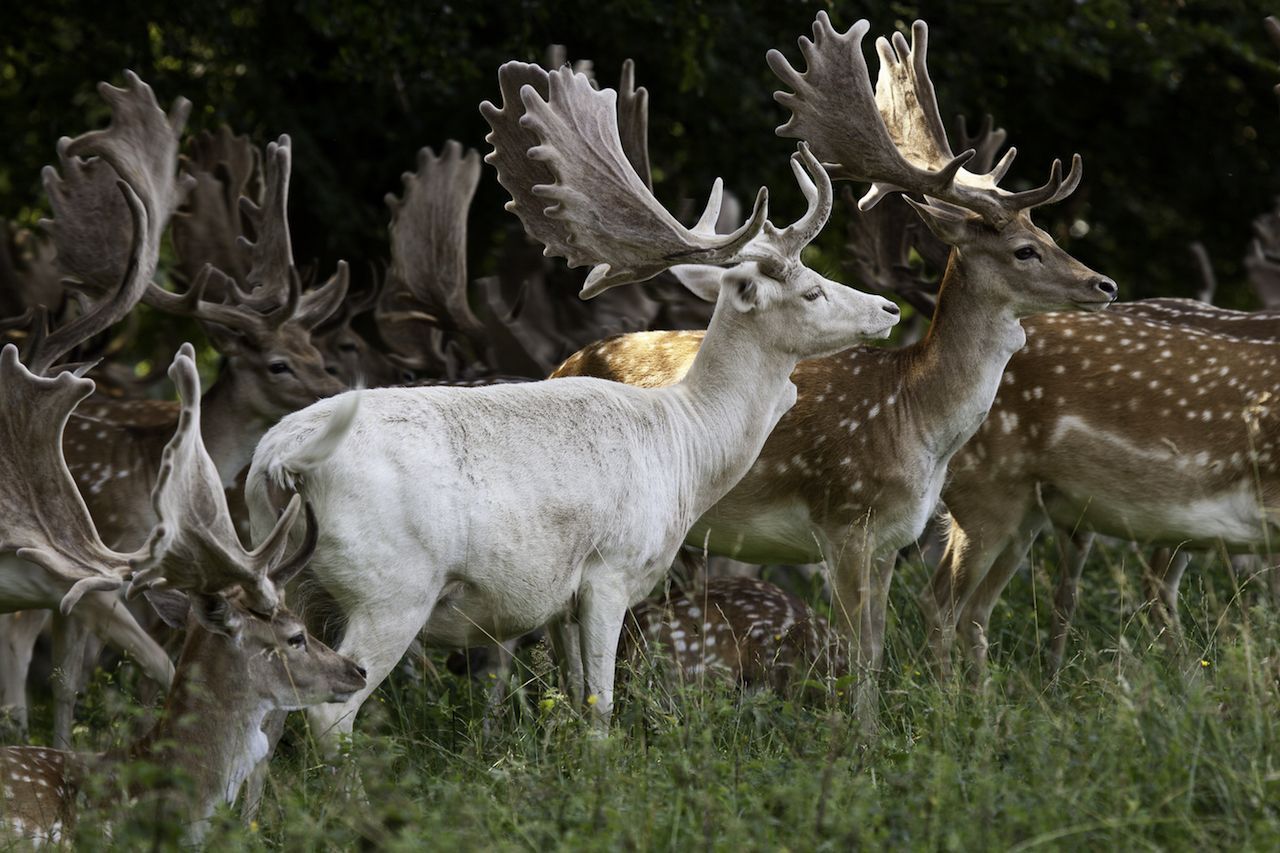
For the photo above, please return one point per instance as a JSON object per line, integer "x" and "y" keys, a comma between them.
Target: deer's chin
{"x": 1091, "y": 304}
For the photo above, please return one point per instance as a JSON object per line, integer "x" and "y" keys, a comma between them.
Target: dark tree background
{"x": 1170, "y": 103}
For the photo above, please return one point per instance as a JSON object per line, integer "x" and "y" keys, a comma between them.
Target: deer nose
{"x": 364, "y": 673}
{"x": 1106, "y": 286}
{"x": 891, "y": 308}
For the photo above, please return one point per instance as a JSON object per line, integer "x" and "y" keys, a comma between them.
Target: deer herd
{"x": 473, "y": 461}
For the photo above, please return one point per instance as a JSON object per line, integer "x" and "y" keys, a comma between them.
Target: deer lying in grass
{"x": 483, "y": 513}
{"x": 245, "y": 653}
{"x": 746, "y": 630}
{"x": 853, "y": 472}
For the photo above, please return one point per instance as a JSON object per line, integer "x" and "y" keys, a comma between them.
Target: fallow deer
{"x": 245, "y": 653}
{"x": 483, "y": 513}
{"x": 854, "y": 470}
{"x": 1116, "y": 424}
{"x": 745, "y": 630}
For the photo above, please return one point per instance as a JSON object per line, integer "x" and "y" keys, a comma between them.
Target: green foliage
{"x": 1170, "y": 103}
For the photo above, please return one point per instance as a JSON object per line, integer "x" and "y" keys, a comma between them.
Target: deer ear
{"x": 948, "y": 223}
{"x": 217, "y": 615}
{"x": 225, "y": 340}
{"x": 744, "y": 292}
{"x": 170, "y": 605}
{"x": 701, "y": 280}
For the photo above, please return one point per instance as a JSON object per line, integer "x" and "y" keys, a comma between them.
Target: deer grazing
{"x": 483, "y": 513}
{"x": 854, "y": 470}
{"x": 245, "y": 653}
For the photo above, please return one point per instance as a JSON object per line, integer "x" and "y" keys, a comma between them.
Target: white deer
{"x": 483, "y": 513}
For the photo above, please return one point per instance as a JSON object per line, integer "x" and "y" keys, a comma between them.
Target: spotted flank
{"x": 742, "y": 629}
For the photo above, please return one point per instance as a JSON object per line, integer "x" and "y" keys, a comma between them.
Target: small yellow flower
{"x": 253, "y": 826}
{"x": 593, "y": 699}
{"x": 1204, "y": 663}
{"x": 547, "y": 704}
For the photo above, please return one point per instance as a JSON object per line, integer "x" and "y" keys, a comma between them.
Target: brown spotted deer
{"x": 245, "y": 654}
{"x": 745, "y": 630}
{"x": 558, "y": 502}
{"x": 854, "y": 470}
{"x": 1115, "y": 424}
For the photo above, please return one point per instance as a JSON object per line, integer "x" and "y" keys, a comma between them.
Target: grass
{"x": 1133, "y": 746}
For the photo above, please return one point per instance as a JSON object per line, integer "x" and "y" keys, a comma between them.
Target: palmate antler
{"x": 110, "y": 210}
{"x": 427, "y": 280}
{"x": 194, "y": 547}
{"x": 270, "y": 293}
{"x": 576, "y": 192}
{"x": 225, "y": 167}
{"x": 894, "y": 137}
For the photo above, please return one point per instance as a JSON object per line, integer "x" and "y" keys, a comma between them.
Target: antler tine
{"x": 45, "y": 518}
{"x": 603, "y": 213}
{"x": 271, "y": 253}
{"x": 633, "y": 122}
{"x": 816, "y": 187}
{"x": 194, "y": 548}
{"x": 320, "y": 303}
{"x": 429, "y": 236}
{"x": 894, "y": 139}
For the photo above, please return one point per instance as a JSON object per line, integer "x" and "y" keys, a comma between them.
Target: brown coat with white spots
{"x": 39, "y": 788}
{"x": 747, "y": 630}
{"x": 1117, "y": 424}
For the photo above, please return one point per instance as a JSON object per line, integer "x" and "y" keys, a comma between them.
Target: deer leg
{"x": 1073, "y": 552}
{"x": 980, "y": 528}
{"x": 70, "y": 636}
{"x": 975, "y": 618}
{"x": 852, "y": 610}
{"x": 376, "y": 640}
{"x": 1162, "y": 580}
{"x": 568, "y": 651}
{"x": 601, "y": 611}
{"x": 881, "y": 579}
{"x": 19, "y": 632}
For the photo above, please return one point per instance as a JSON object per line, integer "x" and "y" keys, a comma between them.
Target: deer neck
{"x": 211, "y": 728}
{"x": 954, "y": 373}
{"x": 735, "y": 393}
{"x": 229, "y": 425}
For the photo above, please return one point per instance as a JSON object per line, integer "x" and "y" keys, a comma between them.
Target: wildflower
{"x": 593, "y": 699}
{"x": 1204, "y": 663}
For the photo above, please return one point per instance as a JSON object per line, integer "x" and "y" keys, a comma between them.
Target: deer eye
{"x": 1026, "y": 253}
{"x": 279, "y": 367}
{"x": 298, "y": 640}
{"x": 347, "y": 347}
{"x": 812, "y": 293}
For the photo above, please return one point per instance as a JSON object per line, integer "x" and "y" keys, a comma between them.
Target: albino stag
{"x": 245, "y": 654}
{"x": 483, "y": 513}
{"x": 853, "y": 472}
